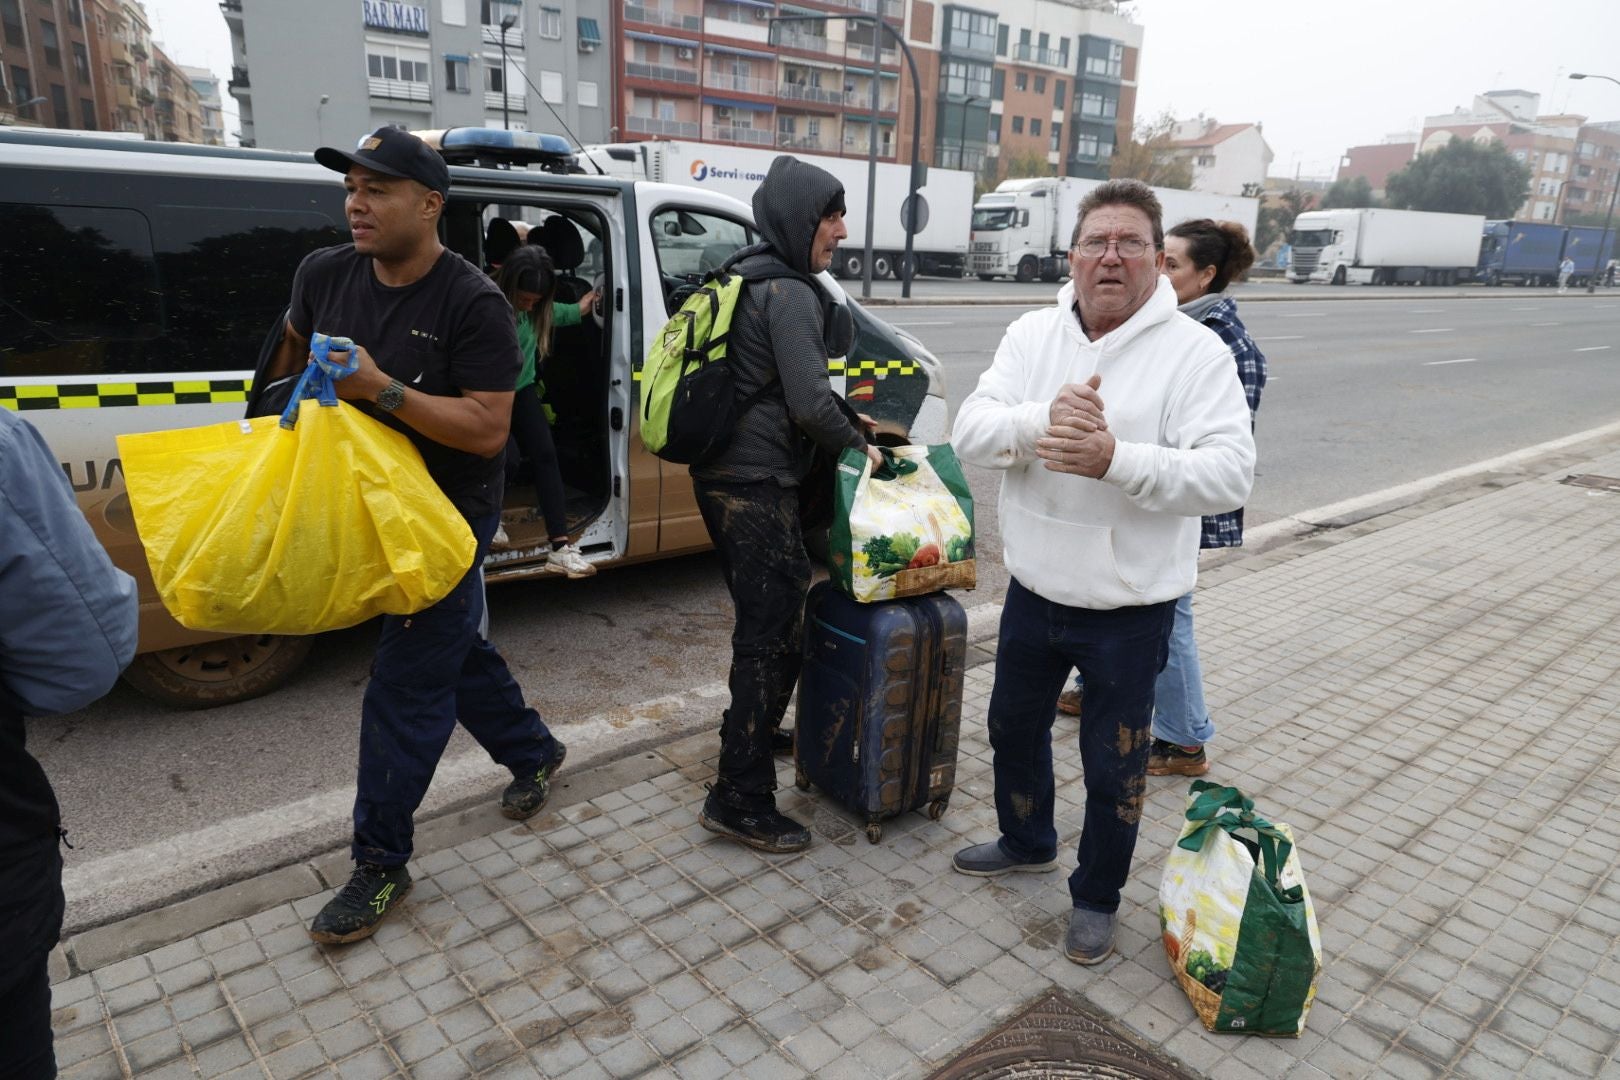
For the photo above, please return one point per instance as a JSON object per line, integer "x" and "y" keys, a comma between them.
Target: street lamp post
{"x": 1608, "y": 219}
{"x": 30, "y": 103}
{"x": 961, "y": 143}
{"x": 506, "y": 101}
{"x": 916, "y": 137}
{"x": 320, "y": 126}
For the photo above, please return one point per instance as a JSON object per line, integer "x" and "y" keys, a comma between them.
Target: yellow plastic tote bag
{"x": 313, "y": 521}
{"x": 905, "y": 529}
{"x": 1239, "y": 928}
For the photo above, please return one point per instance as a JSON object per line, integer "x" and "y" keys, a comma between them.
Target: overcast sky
{"x": 1320, "y": 77}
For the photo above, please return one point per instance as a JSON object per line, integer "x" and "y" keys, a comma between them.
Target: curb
{"x": 1267, "y": 545}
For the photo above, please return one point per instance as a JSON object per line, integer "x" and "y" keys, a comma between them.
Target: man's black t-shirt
{"x": 450, "y": 331}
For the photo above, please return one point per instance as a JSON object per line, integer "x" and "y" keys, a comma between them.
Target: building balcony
{"x": 1030, "y": 54}
{"x": 659, "y": 72}
{"x": 145, "y": 97}
{"x": 854, "y": 144}
{"x": 866, "y": 53}
{"x": 747, "y": 136}
{"x": 662, "y": 17}
{"x": 123, "y": 96}
{"x": 512, "y": 101}
{"x": 815, "y": 144}
{"x": 792, "y": 38}
{"x": 741, "y": 84}
{"x": 514, "y": 37}
{"x": 817, "y": 94}
{"x": 137, "y": 49}
{"x": 398, "y": 90}
{"x": 652, "y": 125}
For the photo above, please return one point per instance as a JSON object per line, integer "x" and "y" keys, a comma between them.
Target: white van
{"x": 140, "y": 279}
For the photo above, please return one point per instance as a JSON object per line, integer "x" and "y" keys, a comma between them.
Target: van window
{"x": 107, "y": 256}
{"x": 690, "y": 243}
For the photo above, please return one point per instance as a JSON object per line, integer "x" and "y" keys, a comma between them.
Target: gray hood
{"x": 789, "y": 206}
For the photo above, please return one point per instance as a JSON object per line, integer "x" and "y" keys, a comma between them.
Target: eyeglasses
{"x": 1129, "y": 247}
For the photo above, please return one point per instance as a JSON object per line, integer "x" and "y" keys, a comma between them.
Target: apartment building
{"x": 1595, "y": 175}
{"x": 1226, "y": 159}
{"x": 206, "y": 86}
{"x": 1545, "y": 143}
{"x": 46, "y": 74}
{"x": 312, "y": 72}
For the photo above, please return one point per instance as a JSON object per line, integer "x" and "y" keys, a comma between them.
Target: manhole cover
{"x": 1592, "y": 480}
{"x": 1057, "y": 1039}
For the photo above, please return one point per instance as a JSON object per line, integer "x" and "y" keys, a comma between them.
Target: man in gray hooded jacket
{"x": 784, "y": 330}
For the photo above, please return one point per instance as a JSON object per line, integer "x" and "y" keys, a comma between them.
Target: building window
{"x": 998, "y": 84}
{"x": 457, "y": 75}
{"x": 1001, "y": 39}
{"x": 1060, "y": 88}
{"x": 495, "y": 12}
{"x": 405, "y": 65}
{"x": 87, "y": 112}
{"x": 11, "y": 16}
{"x": 1057, "y": 139}
{"x": 81, "y": 62}
{"x": 75, "y": 10}
{"x": 1085, "y": 146}
{"x": 1021, "y": 80}
{"x": 972, "y": 31}
{"x": 22, "y": 85}
{"x": 586, "y": 92}
{"x": 1206, "y": 161}
{"x": 1091, "y": 104}
{"x": 968, "y": 79}
{"x": 551, "y": 23}
{"x": 1018, "y": 125}
{"x": 1063, "y": 53}
{"x": 993, "y": 132}
{"x": 52, "y": 44}
{"x": 494, "y": 77}
{"x": 551, "y": 87}
{"x": 1040, "y": 82}
{"x": 1035, "y": 125}
{"x": 59, "y": 105}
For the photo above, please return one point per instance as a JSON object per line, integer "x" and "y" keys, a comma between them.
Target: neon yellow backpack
{"x": 689, "y": 405}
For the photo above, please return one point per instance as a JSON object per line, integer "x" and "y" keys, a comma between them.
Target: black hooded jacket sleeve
{"x": 783, "y": 332}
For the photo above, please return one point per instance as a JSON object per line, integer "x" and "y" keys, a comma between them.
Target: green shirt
{"x": 529, "y": 345}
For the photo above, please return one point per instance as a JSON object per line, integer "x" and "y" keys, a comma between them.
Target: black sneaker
{"x": 355, "y": 912}
{"x": 1168, "y": 759}
{"x": 524, "y": 796}
{"x": 782, "y": 742}
{"x": 761, "y": 828}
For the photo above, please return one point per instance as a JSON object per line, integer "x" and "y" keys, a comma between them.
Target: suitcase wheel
{"x": 800, "y": 780}
{"x": 874, "y": 831}
{"x": 936, "y": 809}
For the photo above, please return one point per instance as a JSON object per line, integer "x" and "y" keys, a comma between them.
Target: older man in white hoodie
{"x": 1118, "y": 421}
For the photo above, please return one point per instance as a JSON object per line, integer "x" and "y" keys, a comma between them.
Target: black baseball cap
{"x": 394, "y": 152}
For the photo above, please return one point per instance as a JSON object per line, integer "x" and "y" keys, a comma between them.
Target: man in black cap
{"x": 784, "y": 330}
{"x": 438, "y": 360}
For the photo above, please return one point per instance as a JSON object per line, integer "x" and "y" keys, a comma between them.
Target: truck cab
{"x": 1013, "y": 229}
{"x": 1323, "y": 246}
{"x": 141, "y": 279}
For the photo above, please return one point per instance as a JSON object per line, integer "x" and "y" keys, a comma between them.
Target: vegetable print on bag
{"x": 905, "y": 529}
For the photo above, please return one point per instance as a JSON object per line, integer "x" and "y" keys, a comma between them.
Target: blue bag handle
{"x": 319, "y": 379}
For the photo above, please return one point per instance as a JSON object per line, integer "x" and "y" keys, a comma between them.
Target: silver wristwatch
{"x": 392, "y": 396}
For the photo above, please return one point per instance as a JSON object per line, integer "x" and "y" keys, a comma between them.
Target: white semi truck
{"x": 1384, "y": 247}
{"x": 940, "y": 246}
{"x": 1022, "y": 229}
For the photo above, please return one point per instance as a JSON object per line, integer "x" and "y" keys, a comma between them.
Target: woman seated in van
{"x": 529, "y": 281}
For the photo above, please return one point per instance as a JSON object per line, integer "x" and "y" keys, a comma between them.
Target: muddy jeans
{"x": 1120, "y": 654}
{"x": 755, "y": 529}
{"x": 30, "y": 923}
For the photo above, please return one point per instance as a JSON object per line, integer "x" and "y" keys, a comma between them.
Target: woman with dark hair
{"x": 1201, "y": 258}
{"x": 529, "y": 281}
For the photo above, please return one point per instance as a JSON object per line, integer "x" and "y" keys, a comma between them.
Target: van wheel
{"x": 852, "y": 264}
{"x": 1028, "y": 269}
{"x": 220, "y": 672}
{"x": 1338, "y": 276}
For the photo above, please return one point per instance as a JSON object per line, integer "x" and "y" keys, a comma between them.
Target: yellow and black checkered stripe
{"x": 113, "y": 395}
{"x": 855, "y": 368}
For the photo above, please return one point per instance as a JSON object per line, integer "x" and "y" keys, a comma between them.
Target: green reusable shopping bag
{"x": 1239, "y": 929}
{"x": 905, "y": 529}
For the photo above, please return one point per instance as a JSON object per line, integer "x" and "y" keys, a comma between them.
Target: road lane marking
{"x": 1423, "y": 311}
{"x": 1437, "y": 363}
{"x": 1436, "y": 330}
{"x": 1546, "y": 324}
{"x": 1593, "y": 348}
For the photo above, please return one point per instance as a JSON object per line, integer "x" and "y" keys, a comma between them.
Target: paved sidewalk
{"x": 1431, "y": 698}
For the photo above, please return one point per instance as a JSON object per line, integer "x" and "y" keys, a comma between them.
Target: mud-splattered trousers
{"x": 1120, "y": 654}
{"x": 755, "y": 528}
{"x": 432, "y": 669}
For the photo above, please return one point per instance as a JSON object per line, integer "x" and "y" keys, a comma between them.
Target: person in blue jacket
{"x": 67, "y": 629}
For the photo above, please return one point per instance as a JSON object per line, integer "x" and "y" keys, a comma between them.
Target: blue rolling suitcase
{"x": 880, "y": 702}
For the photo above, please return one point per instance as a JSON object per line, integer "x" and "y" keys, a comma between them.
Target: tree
{"x": 1461, "y": 177}
{"x": 1276, "y": 220}
{"x": 1350, "y": 192}
{"x": 1149, "y": 157}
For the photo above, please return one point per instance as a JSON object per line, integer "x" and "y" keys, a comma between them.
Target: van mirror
{"x": 690, "y": 226}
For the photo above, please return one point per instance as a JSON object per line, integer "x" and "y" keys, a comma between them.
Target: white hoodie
{"x": 1183, "y": 449}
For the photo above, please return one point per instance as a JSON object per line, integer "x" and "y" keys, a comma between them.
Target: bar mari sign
{"x": 402, "y": 18}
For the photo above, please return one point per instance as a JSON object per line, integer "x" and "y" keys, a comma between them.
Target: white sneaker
{"x": 568, "y": 560}
{"x": 500, "y": 539}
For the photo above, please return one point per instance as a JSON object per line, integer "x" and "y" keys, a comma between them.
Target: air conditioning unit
{"x": 722, "y": 112}
{"x": 762, "y": 14}
{"x": 685, "y": 53}
{"x": 587, "y": 46}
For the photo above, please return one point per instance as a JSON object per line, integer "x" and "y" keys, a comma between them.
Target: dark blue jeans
{"x": 1120, "y": 654}
{"x": 432, "y": 669}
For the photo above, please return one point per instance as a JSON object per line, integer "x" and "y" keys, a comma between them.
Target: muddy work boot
{"x": 359, "y": 907}
{"x": 525, "y": 795}
{"x": 754, "y": 822}
{"x": 1090, "y": 939}
{"x": 1168, "y": 759}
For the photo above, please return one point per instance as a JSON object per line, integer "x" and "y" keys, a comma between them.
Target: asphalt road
{"x": 1365, "y": 393}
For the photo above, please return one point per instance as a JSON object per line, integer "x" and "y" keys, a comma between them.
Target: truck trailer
{"x": 940, "y": 246}
{"x": 1384, "y": 247}
{"x": 1529, "y": 252}
{"x": 1022, "y": 229}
